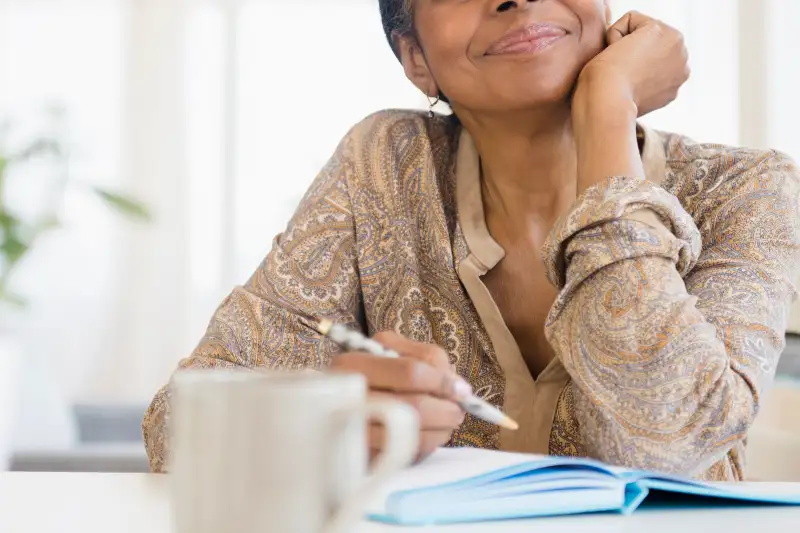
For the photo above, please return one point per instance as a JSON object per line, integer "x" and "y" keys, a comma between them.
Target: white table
{"x": 139, "y": 503}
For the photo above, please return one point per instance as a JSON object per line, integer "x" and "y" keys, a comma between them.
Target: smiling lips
{"x": 529, "y": 39}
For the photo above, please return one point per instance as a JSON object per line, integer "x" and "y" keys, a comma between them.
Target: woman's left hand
{"x": 645, "y": 62}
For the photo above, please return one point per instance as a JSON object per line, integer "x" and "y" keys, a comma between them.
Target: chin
{"x": 518, "y": 89}
{"x": 530, "y": 96}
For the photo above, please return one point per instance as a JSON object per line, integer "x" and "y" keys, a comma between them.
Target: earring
{"x": 432, "y": 103}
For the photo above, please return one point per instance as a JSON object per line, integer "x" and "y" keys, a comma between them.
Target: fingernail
{"x": 461, "y": 388}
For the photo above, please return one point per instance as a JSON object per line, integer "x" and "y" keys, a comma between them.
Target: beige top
{"x": 663, "y": 346}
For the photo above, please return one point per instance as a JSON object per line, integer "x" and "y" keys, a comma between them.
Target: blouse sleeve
{"x": 669, "y": 342}
{"x": 310, "y": 271}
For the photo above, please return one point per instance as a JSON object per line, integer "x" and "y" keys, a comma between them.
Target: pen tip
{"x": 324, "y": 326}
{"x": 509, "y": 423}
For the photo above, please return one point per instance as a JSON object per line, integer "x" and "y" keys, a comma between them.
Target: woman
{"x": 622, "y": 293}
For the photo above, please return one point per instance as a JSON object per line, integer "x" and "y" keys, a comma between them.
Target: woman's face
{"x": 491, "y": 55}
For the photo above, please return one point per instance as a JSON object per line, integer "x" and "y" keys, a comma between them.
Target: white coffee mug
{"x": 256, "y": 452}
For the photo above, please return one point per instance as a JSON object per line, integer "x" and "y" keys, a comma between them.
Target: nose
{"x": 510, "y": 5}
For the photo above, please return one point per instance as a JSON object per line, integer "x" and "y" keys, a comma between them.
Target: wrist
{"x": 598, "y": 98}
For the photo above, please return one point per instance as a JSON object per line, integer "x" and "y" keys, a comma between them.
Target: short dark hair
{"x": 397, "y": 18}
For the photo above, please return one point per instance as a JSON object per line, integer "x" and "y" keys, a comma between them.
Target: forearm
{"x": 669, "y": 350}
{"x": 654, "y": 386}
{"x": 604, "y": 125}
{"x": 247, "y": 331}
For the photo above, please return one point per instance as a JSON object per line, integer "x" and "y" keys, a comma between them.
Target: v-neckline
{"x": 532, "y": 402}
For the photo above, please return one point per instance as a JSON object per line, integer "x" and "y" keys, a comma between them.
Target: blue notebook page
{"x": 472, "y": 485}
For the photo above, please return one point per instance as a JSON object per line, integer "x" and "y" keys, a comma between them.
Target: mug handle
{"x": 402, "y": 441}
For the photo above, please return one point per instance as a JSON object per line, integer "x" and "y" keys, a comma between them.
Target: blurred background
{"x": 150, "y": 150}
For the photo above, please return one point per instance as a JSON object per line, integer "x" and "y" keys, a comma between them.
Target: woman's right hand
{"x": 422, "y": 377}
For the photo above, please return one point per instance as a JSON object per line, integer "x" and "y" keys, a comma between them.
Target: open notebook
{"x": 471, "y": 485}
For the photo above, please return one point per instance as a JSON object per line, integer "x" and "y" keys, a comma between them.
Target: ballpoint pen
{"x": 353, "y": 340}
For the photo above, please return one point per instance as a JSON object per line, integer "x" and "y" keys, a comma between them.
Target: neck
{"x": 528, "y": 161}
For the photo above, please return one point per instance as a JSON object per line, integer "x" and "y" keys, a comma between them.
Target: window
{"x": 67, "y": 54}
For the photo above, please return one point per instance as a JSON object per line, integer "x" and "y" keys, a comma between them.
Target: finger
{"x": 403, "y": 375}
{"x": 434, "y": 413}
{"x": 438, "y": 419}
{"x": 429, "y": 353}
{"x": 429, "y": 441}
{"x": 629, "y": 23}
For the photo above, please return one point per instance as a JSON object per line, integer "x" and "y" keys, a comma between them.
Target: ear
{"x": 415, "y": 64}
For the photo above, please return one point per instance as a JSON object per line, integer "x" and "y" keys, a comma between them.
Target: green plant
{"x": 18, "y": 235}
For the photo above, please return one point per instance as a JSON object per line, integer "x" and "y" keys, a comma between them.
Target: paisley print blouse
{"x": 675, "y": 290}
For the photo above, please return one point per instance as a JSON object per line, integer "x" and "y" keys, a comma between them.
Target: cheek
{"x": 445, "y": 36}
{"x": 450, "y": 40}
{"x": 593, "y": 17}
{"x": 447, "y": 49}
